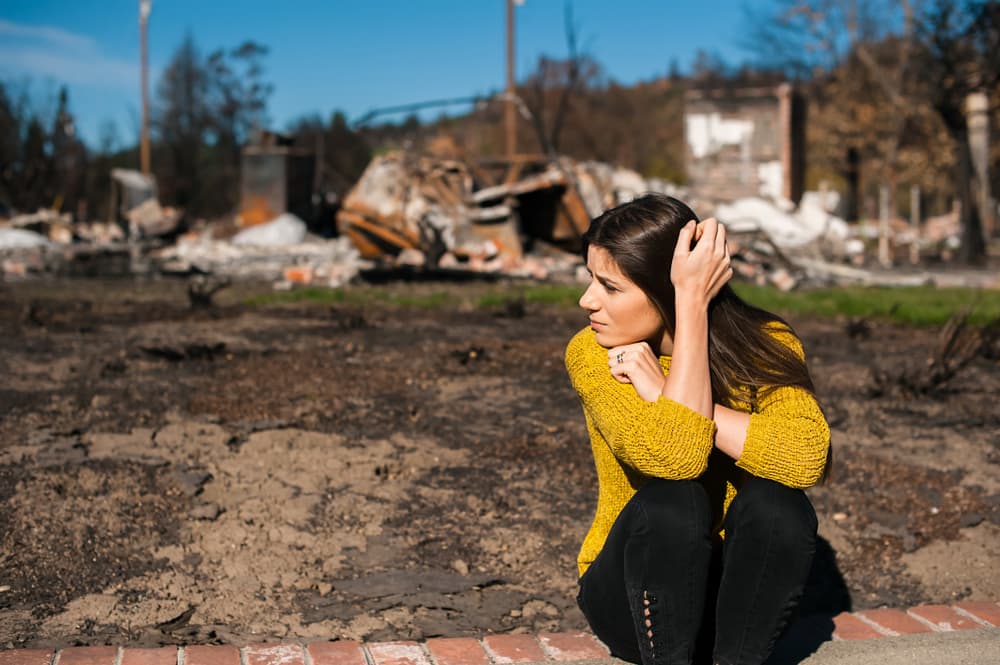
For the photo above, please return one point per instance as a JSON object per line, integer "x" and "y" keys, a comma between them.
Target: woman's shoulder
{"x": 783, "y": 333}
{"x": 582, "y": 346}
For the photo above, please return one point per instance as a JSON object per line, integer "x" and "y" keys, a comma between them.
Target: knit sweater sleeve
{"x": 788, "y": 436}
{"x": 663, "y": 439}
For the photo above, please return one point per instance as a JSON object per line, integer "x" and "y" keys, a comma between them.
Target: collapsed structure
{"x": 521, "y": 216}
{"x": 518, "y": 218}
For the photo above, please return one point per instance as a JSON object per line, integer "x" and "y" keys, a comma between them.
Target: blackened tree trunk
{"x": 960, "y": 48}
{"x": 973, "y": 249}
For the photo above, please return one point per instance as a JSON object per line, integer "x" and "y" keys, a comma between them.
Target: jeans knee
{"x": 677, "y": 507}
{"x": 783, "y": 511}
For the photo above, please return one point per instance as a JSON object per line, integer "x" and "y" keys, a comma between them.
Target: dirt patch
{"x": 238, "y": 473}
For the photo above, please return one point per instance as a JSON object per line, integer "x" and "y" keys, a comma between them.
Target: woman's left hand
{"x": 699, "y": 273}
{"x": 638, "y": 365}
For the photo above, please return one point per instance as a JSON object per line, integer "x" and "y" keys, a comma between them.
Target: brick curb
{"x": 505, "y": 649}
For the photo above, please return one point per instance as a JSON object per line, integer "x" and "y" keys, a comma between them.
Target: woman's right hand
{"x": 699, "y": 273}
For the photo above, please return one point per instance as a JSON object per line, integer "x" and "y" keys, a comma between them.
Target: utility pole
{"x": 145, "y": 6}
{"x": 510, "y": 116}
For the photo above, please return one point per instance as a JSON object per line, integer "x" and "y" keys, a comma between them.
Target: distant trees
{"x": 888, "y": 83}
{"x": 207, "y": 109}
{"x": 181, "y": 120}
{"x": 42, "y": 160}
{"x": 341, "y": 152}
{"x": 959, "y": 54}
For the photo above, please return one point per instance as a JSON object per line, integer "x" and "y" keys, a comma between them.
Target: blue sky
{"x": 352, "y": 56}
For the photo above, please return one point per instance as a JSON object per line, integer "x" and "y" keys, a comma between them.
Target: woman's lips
{"x": 597, "y": 324}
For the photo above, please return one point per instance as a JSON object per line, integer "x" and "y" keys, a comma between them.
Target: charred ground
{"x": 378, "y": 471}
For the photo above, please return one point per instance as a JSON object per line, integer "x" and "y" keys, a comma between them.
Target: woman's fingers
{"x": 617, "y": 355}
{"x": 711, "y": 231}
{"x": 704, "y": 269}
{"x": 687, "y": 232}
{"x": 638, "y": 365}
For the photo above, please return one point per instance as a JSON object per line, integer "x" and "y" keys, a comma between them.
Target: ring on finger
{"x": 620, "y": 358}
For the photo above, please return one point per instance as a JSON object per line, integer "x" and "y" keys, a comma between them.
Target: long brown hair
{"x": 744, "y": 357}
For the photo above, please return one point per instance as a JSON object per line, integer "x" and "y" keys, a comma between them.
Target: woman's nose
{"x": 587, "y": 301}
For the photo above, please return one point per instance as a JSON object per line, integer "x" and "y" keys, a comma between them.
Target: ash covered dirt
{"x": 377, "y": 472}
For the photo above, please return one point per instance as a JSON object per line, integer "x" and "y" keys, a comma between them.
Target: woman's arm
{"x": 688, "y": 381}
{"x": 786, "y": 439}
{"x": 697, "y": 275}
{"x": 731, "y": 432}
{"x": 660, "y": 438}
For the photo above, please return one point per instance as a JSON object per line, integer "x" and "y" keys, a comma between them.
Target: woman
{"x": 704, "y": 430}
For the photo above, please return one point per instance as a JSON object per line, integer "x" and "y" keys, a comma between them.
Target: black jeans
{"x": 661, "y": 592}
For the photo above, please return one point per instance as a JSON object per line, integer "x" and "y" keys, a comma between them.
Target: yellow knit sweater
{"x": 634, "y": 440}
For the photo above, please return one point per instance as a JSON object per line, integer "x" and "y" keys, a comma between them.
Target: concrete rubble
{"x": 21, "y": 239}
{"x": 285, "y": 229}
{"x": 151, "y": 220}
{"x": 293, "y": 257}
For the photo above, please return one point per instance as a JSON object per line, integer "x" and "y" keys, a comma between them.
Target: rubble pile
{"x": 278, "y": 251}
{"x": 518, "y": 217}
{"x": 522, "y": 217}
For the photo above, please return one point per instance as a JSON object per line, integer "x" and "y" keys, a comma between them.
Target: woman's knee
{"x": 674, "y": 506}
{"x": 782, "y": 511}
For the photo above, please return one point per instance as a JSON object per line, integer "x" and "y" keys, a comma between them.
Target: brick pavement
{"x": 505, "y": 649}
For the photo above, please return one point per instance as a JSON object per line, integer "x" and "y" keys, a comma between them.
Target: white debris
{"x": 21, "y": 239}
{"x": 602, "y": 186}
{"x": 628, "y": 184}
{"x": 809, "y": 223}
{"x": 411, "y": 257}
{"x": 285, "y": 229}
{"x": 150, "y": 219}
{"x": 334, "y": 262}
{"x": 772, "y": 177}
{"x": 854, "y": 247}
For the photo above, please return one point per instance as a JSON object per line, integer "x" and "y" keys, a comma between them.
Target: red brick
{"x": 26, "y": 657}
{"x": 211, "y": 655}
{"x": 163, "y": 656}
{"x": 457, "y": 651}
{"x": 572, "y": 646}
{"x": 514, "y": 649}
{"x": 88, "y": 656}
{"x": 896, "y": 621}
{"x": 344, "y": 652}
{"x": 397, "y": 653}
{"x": 274, "y": 654}
{"x": 849, "y": 627}
{"x": 944, "y": 617}
{"x": 984, "y": 610}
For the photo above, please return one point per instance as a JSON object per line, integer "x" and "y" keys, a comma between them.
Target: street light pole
{"x": 510, "y": 116}
{"x": 145, "y": 6}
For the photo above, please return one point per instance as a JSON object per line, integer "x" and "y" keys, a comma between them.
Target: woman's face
{"x": 620, "y": 312}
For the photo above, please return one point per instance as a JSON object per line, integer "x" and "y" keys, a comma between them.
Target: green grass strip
{"x": 921, "y": 306}
{"x": 918, "y": 305}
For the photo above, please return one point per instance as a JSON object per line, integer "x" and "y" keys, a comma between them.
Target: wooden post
{"x": 884, "y": 256}
{"x": 978, "y": 121}
{"x": 510, "y": 114}
{"x": 144, "y": 8}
